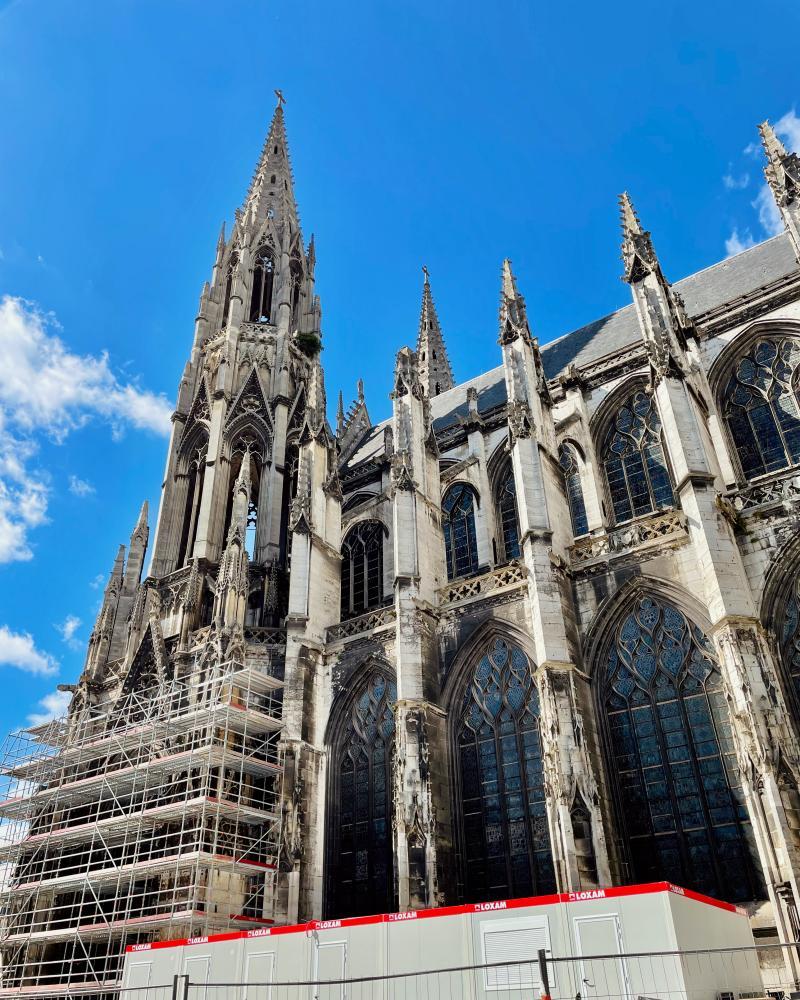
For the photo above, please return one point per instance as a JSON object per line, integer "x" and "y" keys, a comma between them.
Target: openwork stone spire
{"x": 783, "y": 168}
{"x": 638, "y": 254}
{"x": 272, "y": 187}
{"x": 435, "y": 372}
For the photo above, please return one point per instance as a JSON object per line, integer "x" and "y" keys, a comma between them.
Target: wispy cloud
{"x": 53, "y": 706}
{"x": 47, "y": 390}
{"x": 80, "y": 487}
{"x": 737, "y": 242}
{"x": 67, "y": 629}
{"x": 97, "y": 582}
{"x": 733, "y": 183}
{"x": 17, "y": 649}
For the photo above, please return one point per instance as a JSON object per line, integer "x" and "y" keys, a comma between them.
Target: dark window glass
{"x": 360, "y": 868}
{"x": 507, "y": 509}
{"x": 573, "y": 488}
{"x": 790, "y": 640}
{"x": 458, "y": 523}
{"x": 761, "y": 407}
{"x": 296, "y": 272}
{"x": 233, "y": 263}
{"x": 362, "y": 568}
{"x": 674, "y": 760}
{"x": 636, "y": 469}
{"x": 263, "y": 280}
{"x": 504, "y": 833}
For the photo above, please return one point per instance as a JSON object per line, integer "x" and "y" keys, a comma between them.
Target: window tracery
{"x": 762, "y": 409}
{"x": 501, "y": 807}
{"x": 458, "y": 524}
{"x": 790, "y": 639}
{"x": 673, "y": 759}
{"x": 573, "y": 487}
{"x": 635, "y": 465}
{"x": 362, "y": 568}
{"x": 360, "y": 853}
{"x": 506, "y": 500}
{"x": 263, "y": 282}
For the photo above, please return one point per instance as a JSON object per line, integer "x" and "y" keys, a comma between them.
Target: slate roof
{"x": 701, "y": 292}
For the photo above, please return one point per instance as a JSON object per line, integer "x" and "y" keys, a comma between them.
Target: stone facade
{"x": 454, "y": 714}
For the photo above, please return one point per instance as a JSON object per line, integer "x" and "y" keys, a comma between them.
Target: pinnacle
{"x": 435, "y": 372}
{"x": 118, "y": 569}
{"x": 773, "y": 146}
{"x": 628, "y": 217}
{"x": 271, "y": 191}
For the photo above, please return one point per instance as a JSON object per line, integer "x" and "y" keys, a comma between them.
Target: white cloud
{"x": 753, "y": 149}
{"x": 54, "y": 705}
{"x": 80, "y": 487}
{"x": 737, "y": 242}
{"x": 769, "y": 215}
{"x": 17, "y": 649}
{"x": 68, "y": 628}
{"x": 98, "y": 582}
{"x": 788, "y": 128}
{"x": 732, "y": 183}
{"x": 46, "y": 389}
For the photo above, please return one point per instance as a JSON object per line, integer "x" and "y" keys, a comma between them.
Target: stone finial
{"x": 638, "y": 256}
{"x": 783, "y": 168}
{"x": 513, "y": 313}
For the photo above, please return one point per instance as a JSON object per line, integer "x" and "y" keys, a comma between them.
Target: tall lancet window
{"x": 194, "y": 472}
{"x": 263, "y": 282}
{"x": 790, "y": 638}
{"x": 362, "y": 568}
{"x": 506, "y": 500}
{"x": 233, "y": 263}
{"x": 633, "y": 455}
{"x": 568, "y": 460}
{"x": 296, "y": 272}
{"x": 673, "y": 759}
{"x": 501, "y": 809}
{"x": 359, "y": 849}
{"x": 458, "y": 523}
{"x": 761, "y": 406}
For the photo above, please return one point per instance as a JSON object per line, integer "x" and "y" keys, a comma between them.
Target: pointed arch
{"x": 499, "y": 805}
{"x": 504, "y": 493}
{"x": 668, "y": 745}
{"x": 756, "y": 384}
{"x": 458, "y": 526}
{"x": 360, "y": 739}
{"x": 779, "y": 612}
{"x": 571, "y": 461}
{"x": 629, "y": 441}
{"x": 262, "y": 285}
{"x": 190, "y": 477}
{"x": 362, "y": 567}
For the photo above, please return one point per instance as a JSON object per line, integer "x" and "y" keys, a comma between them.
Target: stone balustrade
{"x": 478, "y": 586}
{"x": 378, "y": 618}
{"x": 773, "y": 491}
{"x": 663, "y": 526}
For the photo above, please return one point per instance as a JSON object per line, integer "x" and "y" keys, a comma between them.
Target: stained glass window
{"x": 507, "y": 511}
{"x": 673, "y": 758}
{"x": 573, "y": 488}
{"x": 761, "y": 407}
{"x": 505, "y": 841}
{"x": 362, "y": 568}
{"x": 635, "y": 466}
{"x": 458, "y": 522}
{"x": 361, "y": 875}
{"x": 263, "y": 280}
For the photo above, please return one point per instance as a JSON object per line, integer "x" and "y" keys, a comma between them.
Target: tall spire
{"x": 638, "y": 254}
{"x": 272, "y": 188}
{"x": 435, "y": 372}
{"x": 513, "y": 314}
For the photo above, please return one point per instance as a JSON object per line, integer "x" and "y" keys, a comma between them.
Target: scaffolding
{"x": 155, "y": 817}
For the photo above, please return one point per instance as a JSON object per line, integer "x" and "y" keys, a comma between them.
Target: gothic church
{"x": 537, "y": 632}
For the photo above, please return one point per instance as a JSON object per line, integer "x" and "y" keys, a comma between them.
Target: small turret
{"x": 435, "y": 372}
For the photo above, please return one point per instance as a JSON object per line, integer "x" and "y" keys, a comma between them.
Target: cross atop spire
{"x": 783, "y": 168}
{"x": 638, "y": 254}
{"x": 435, "y": 372}
{"x": 271, "y": 192}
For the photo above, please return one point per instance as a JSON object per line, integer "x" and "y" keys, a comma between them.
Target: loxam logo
{"x": 575, "y": 897}
{"x": 677, "y": 889}
{"x": 141, "y": 947}
{"x": 262, "y": 932}
{"x": 480, "y": 907}
{"x": 324, "y": 925}
{"x": 198, "y": 940}
{"x": 410, "y": 915}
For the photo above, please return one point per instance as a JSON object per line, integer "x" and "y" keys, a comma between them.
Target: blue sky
{"x": 450, "y": 134}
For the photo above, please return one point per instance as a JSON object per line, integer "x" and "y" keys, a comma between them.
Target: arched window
{"x": 573, "y": 487}
{"x": 195, "y": 472}
{"x": 761, "y": 406}
{"x": 359, "y": 850}
{"x": 790, "y": 639}
{"x": 263, "y": 281}
{"x": 672, "y": 757}
{"x": 633, "y": 455}
{"x": 362, "y": 568}
{"x": 506, "y": 500}
{"x": 458, "y": 522}
{"x": 501, "y": 810}
{"x": 296, "y": 274}
{"x": 233, "y": 263}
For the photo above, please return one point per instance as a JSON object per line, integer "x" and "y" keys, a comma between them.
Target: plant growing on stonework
{"x": 308, "y": 343}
